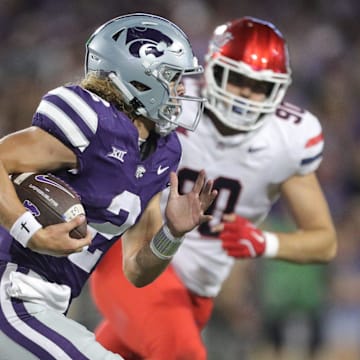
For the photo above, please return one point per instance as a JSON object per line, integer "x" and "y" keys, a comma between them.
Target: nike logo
{"x": 161, "y": 169}
{"x": 256, "y": 149}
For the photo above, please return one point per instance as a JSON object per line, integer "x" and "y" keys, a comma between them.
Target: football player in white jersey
{"x": 258, "y": 148}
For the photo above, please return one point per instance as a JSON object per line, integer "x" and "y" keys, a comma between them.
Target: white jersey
{"x": 247, "y": 173}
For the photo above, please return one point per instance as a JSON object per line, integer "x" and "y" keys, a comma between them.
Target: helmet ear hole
{"x": 139, "y": 86}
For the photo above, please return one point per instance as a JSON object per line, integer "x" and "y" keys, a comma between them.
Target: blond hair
{"x": 104, "y": 87}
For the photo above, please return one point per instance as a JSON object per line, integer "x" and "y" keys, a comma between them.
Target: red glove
{"x": 241, "y": 239}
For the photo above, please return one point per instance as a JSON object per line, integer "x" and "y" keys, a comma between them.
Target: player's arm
{"x": 33, "y": 149}
{"x": 139, "y": 262}
{"x": 149, "y": 245}
{"x": 315, "y": 238}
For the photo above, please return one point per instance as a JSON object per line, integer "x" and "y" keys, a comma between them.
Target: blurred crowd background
{"x": 267, "y": 309}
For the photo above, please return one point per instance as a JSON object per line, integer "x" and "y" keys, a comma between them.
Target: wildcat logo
{"x": 31, "y": 207}
{"x": 140, "y": 171}
{"x": 145, "y": 42}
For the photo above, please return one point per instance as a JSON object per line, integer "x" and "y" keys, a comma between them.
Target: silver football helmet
{"x": 146, "y": 56}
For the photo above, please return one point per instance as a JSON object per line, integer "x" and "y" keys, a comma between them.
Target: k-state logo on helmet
{"x": 143, "y": 42}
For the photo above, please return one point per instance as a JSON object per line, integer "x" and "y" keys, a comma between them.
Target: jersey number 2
{"x": 125, "y": 202}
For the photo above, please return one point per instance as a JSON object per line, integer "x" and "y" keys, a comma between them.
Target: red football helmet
{"x": 250, "y": 48}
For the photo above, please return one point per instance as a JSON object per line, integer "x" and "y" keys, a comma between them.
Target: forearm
{"x": 149, "y": 245}
{"x": 15, "y": 157}
{"x": 152, "y": 258}
{"x": 315, "y": 240}
{"x": 145, "y": 267}
{"x": 307, "y": 246}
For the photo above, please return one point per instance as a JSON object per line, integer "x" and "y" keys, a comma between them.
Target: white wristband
{"x": 164, "y": 245}
{"x": 271, "y": 244}
{"x": 24, "y": 228}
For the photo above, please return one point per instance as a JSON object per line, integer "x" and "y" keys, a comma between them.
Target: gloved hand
{"x": 241, "y": 239}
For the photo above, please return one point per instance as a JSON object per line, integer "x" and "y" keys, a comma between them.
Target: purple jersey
{"x": 114, "y": 183}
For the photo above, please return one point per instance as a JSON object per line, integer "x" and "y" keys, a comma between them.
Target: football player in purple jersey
{"x": 112, "y": 139}
{"x": 257, "y": 148}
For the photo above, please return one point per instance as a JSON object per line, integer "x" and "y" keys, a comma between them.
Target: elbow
{"x": 135, "y": 276}
{"x": 332, "y": 252}
{"x": 332, "y": 249}
{"x": 138, "y": 281}
{"x": 141, "y": 269}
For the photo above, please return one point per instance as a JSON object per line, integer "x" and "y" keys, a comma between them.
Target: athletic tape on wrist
{"x": 164, "y": 245}
{"x": 271, "y": 245}
{"x": 24, "y": 228}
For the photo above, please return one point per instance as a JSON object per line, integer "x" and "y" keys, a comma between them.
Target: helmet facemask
{"x": 169, "y": 114}
{"x": 241, "y": 113}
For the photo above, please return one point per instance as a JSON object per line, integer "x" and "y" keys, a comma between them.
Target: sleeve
{"x": 67, "y": 113}
{"x": 311, "y": 145}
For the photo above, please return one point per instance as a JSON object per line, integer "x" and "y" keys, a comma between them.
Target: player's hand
{"x": 185, "y": 212}
{"x": 240, "y": 238}
{"x": 55, "y": 240}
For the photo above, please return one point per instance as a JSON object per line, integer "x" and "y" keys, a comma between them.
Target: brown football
{"x": 49, "y": 199}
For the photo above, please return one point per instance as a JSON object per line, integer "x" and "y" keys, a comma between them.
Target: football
{"x": 49, "y": 199}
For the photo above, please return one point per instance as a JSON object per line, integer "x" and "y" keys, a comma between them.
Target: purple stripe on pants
{"x": 21, "y": 339}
